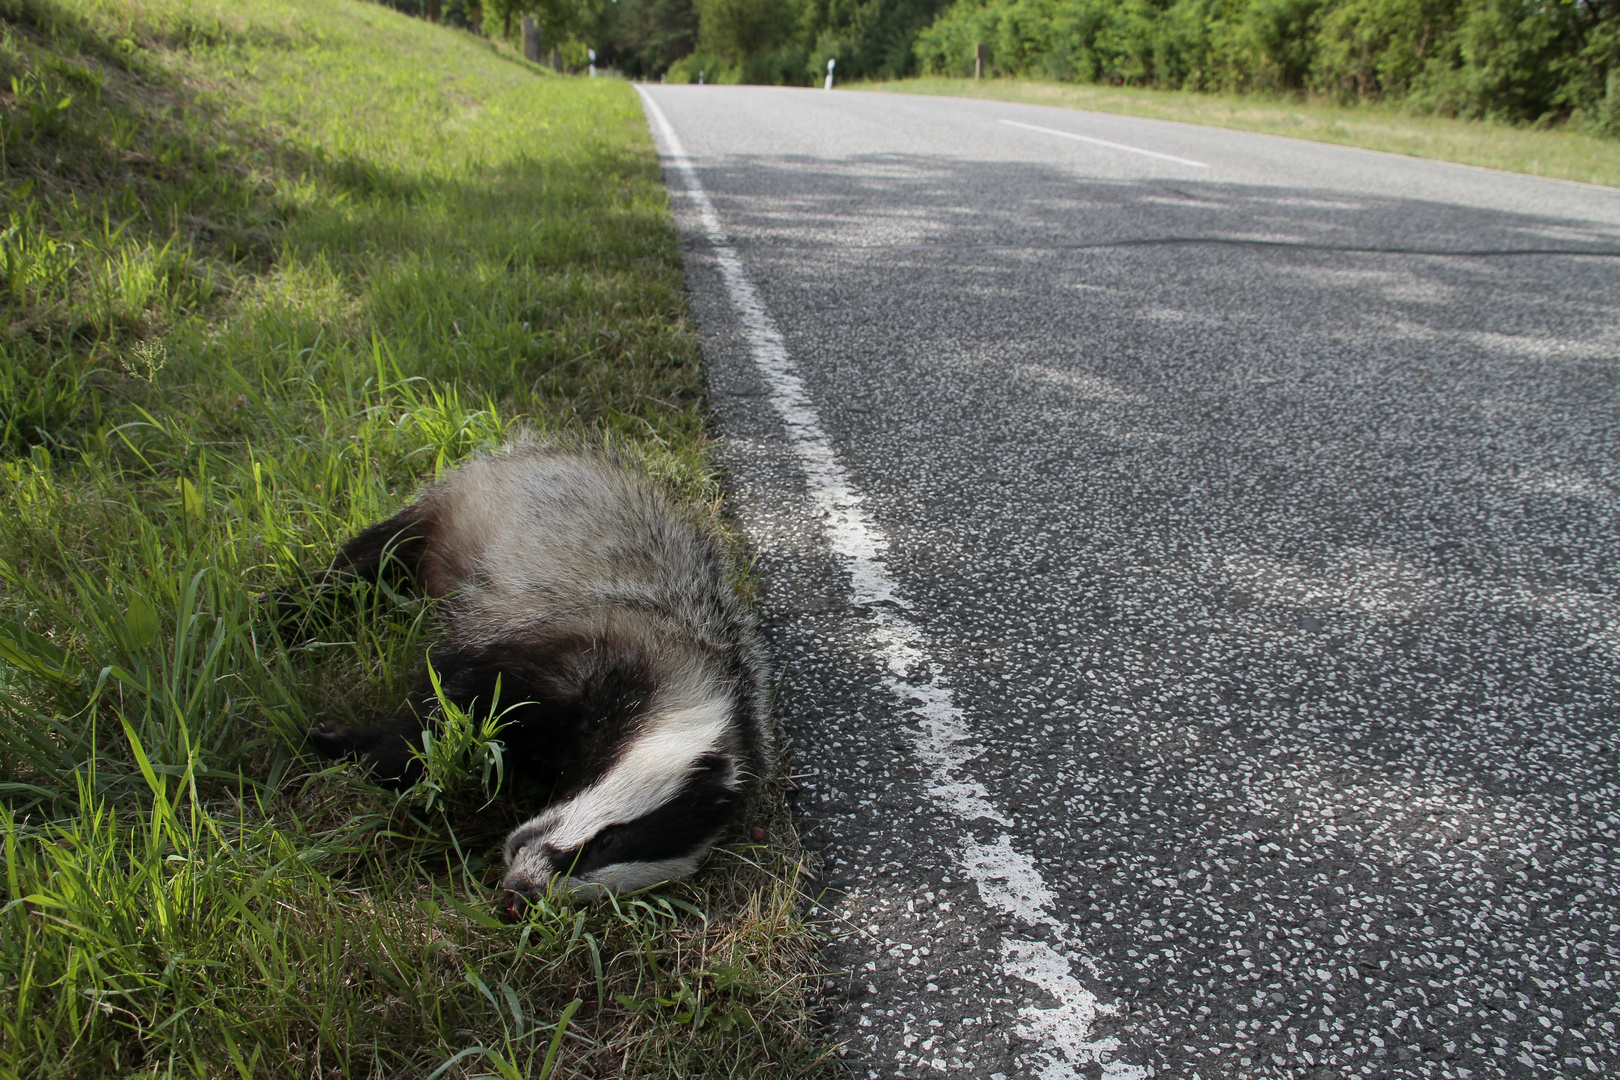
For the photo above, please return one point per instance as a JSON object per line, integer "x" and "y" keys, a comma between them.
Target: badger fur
{"x": 631, "y": 670}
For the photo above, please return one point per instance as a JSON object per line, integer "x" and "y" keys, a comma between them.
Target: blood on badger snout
{"x": 629, "y": 673}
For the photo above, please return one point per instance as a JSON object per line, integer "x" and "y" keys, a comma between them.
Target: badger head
{"x": 650, "y": 817}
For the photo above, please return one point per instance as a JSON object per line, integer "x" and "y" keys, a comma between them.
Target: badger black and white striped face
{"x": 651, "y": 817}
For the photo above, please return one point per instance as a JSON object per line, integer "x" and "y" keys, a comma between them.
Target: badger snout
{"x": 522, "y": 887}
{"x": 518, "y": 897}
{"x": 520, "y": 890}
{"x": 531, "y": 863}
{"x": 648, "y": 820}
{"x": 534, "y": 867}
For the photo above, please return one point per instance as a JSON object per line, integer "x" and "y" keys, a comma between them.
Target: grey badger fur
{"x": 613, "y": 627}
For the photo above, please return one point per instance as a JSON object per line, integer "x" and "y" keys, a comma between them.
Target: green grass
{"x": 1562, "y": 154}
{"x": 266, "y": 266}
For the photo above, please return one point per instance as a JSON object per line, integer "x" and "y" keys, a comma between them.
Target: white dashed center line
{"x": 1008, "y": 880}
{"x": 1105, "y": 142}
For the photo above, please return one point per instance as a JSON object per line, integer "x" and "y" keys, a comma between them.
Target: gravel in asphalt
{"x": 1261, "y": 523}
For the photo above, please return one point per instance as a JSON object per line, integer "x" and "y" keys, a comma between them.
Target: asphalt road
{"x": 1195, "y": 581}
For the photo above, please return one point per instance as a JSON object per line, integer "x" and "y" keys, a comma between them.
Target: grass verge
{"x": 265, "y": 267}
{"x": 1559, "y": 154}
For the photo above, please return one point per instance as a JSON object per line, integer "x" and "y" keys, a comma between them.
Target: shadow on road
{"x": 1277, "y": 564}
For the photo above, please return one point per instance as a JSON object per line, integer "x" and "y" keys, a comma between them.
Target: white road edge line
{"x": 1105, "y": 142}
{"x": 1007, "y": 879}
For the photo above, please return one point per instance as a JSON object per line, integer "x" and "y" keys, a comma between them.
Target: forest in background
{"x": 1521, "y": 61}
{"x": 1514, "y": 60}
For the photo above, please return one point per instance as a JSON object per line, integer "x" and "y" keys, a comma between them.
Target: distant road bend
{"x": 1192, "y": 558}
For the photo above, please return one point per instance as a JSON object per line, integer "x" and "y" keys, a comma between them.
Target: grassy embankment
{"x": 265, "y": 266}
{"x": 1560, "y": 154}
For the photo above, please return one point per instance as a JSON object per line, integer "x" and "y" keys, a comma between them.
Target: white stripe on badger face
{"x": 650, "y": 774}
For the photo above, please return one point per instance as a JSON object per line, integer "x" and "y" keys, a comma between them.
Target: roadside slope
{"x": 267, "y": 267}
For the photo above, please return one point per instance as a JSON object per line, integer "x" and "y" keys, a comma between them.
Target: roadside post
{"x": 830, "y": 64}
{"x": 979, "y": 52}
{"x": 592, "y": 54}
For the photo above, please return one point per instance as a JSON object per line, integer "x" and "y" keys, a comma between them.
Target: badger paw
{"x": 331, "y": 740}
{"x": 384, "y": 750}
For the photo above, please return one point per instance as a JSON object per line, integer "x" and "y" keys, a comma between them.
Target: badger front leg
{"x": 469, "y": 680}
{"x": 384, "y": 749}
{"x": 388, "y": 552}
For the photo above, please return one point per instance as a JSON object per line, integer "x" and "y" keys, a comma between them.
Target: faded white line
{"x": 1007, "y": 879}
{"x": 1105, "y": 142}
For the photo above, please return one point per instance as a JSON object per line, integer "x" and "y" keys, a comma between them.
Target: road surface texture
{"x": 1192, "y": 560}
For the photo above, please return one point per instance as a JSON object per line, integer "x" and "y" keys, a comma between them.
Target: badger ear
{"x": 719, "y": 769}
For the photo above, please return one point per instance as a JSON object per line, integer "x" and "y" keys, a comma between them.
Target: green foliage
{"x": 785, "y": 42}
{"x": 463, "y": 14}
{"x": 1374, "y": 48}
{"x": 1504, "y": 59}
{"x": 208, "y": 940}
{"x": 460, "y": 750}
{"x": 1605, "y": 111}
{"x": 1509, "y": 51}
{"x": 737, "y": 29}
{"x": 1198, "y": 44}
{"x": 745, "y": 41}
{"x": 644, "y": 37}
{"x": 869, "y": 38}
{"x": 562, "y": 23}
{"x": 266, "y": 267}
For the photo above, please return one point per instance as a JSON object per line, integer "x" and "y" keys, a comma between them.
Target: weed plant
{"x": 266, "y": 267}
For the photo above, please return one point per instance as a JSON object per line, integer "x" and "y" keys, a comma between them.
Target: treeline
{"x": 1540, "y": 61}
{"x": 786, "y": 42}
{"x": 755, "y": 41}
{"x": 1520, "y": 60}
{"x": 1517, "y": 60}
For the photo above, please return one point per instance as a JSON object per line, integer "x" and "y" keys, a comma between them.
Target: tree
{"x": 644, "y": 37}
{"x": 739, "y": 29}
{"x": 869, "y": 38}
{"x": 558, "y": 20}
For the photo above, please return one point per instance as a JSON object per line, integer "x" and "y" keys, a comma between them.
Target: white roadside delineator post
{"x": 830, "y": 64}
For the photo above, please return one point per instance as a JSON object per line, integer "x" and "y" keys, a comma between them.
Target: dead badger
{"x": 632, "y": 671}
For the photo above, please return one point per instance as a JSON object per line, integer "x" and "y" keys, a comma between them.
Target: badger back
{"x": 532, "y": 536}
{"x": 618, "y": 617}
